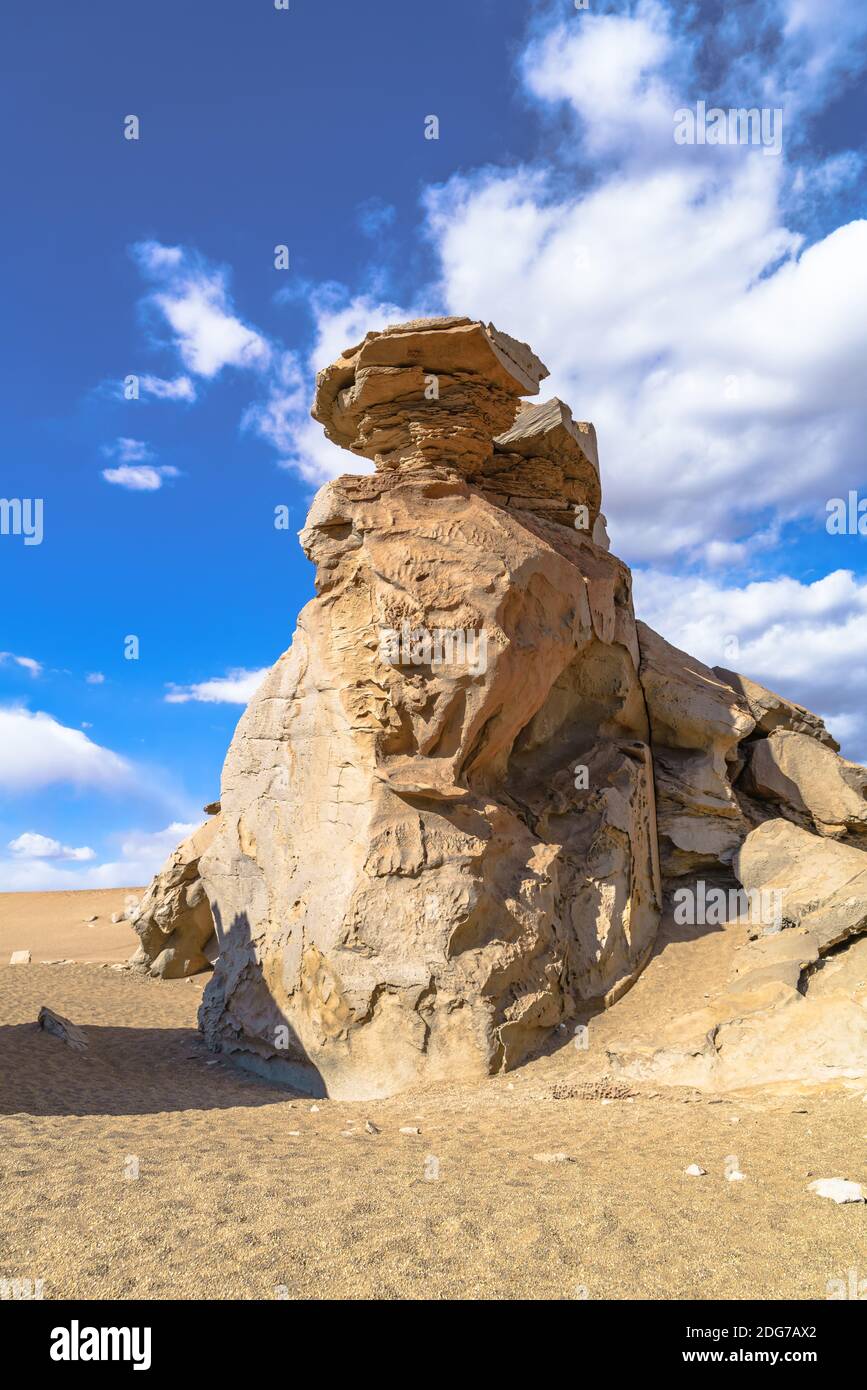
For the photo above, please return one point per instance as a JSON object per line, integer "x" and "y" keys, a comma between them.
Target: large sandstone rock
{"x": 794, "y": 1009}
{"x": 696, "y": 724}
{"x": 823, "y": 883}
{"x": 772, "y": 711}
{"x": 809, "y": 783}
{"x": 173, "y": 919}
{"x": 437, "y": 837}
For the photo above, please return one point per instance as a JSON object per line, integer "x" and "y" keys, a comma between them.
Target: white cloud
{"x": 236, "y": 688}
{"x": 180, "y": 388}
{"x": 28, "y": 663}
{"x": 140, "y": 855}
{"x": 37, "y": 751}
{"x": 194, "y": 300}
{"x": 95, "y": 678}
{"x": 609, "y": 69}
{"x": 720, "y": 358}
{"x": 30, "y": 845}
{"x": 140, "y": 477}
{"x": 807, "y": 642}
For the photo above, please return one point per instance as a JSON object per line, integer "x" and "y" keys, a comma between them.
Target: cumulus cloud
{"x": 235, "y": 688}
{"x": 30, "y": 845}
{"x": 139, "y": 855}
{"x": 717, "y": 353}
{"x": 806, "y": 641}
{"x": 95, "y": 678}
{"x": 38, "y": 751}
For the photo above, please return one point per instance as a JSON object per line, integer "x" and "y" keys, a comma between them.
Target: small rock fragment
{"x": 371, "y": 1127}
{"x": 410, "y": 1129}
{"x": 695, "y": 1171}
{"x": 838, "y": 1190}
{"x": 552, "y": 1158}
{"x": 60, "y": 1027}
{"x": 19, "y": 958}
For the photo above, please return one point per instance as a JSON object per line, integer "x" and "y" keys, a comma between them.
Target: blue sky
{"x": 704, "y": 305}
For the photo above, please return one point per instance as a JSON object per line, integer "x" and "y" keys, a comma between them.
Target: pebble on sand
{"x": 838, "y": 1190}
{"x": 19, "y": 958}
{"x": 695, "y": 1170}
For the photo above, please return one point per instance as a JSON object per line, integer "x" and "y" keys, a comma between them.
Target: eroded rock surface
{"x": 697, "y": 723}
{"x": 794, "y": 1008}
{"x": 173, "y": 919}
{"x": 809, "y": 784}
{"x": 437, "y": 834}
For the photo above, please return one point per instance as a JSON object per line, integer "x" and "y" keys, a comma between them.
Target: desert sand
{"x": 146, "y": 1168}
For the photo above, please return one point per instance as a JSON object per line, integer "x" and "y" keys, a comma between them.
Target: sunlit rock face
{"x": 438, "y": 832}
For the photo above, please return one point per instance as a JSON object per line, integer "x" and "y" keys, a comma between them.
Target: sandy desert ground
{"x": 144, "y": 1168}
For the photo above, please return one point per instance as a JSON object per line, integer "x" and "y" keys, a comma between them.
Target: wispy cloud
{"x": 181, "y": 388}
{"x": 28, "y": 663}
{"x": 374, "y": 216}
{"x": 126, "y": 450}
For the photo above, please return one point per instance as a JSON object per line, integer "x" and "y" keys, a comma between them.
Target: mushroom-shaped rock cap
{"x": 426, "y": 392}
{"x": 455, "y": 345}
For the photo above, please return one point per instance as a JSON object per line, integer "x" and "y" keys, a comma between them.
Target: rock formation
{"x": 795, "y": 1007}
{"x": 438, "y": 834}
{"x": 696, "y": 725}
{"x": 173, "y": 920}
{"x": 449, "y": 815}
